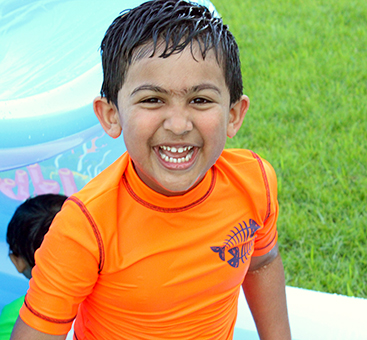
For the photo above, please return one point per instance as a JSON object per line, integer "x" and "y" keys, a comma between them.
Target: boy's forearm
{"x": 265, "y": 294}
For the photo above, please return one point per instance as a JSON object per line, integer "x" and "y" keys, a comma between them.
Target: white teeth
{"x": 176, "y": 160}
{"x": 174, "y": 149}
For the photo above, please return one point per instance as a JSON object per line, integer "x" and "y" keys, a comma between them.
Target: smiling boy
{"x": 175, "y": 114}
{"x": 159, "y": 244}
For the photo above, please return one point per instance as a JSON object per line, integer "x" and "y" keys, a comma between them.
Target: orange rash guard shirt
{"x": 130, "y": 263}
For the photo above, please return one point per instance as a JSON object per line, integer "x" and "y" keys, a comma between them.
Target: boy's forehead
{"x": 179, "y": 74}
{"x": 150, "y": 50}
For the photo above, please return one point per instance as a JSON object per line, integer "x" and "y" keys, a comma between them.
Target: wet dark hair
{"x": 173, "y": 25}
{"x": 30, "y": 223}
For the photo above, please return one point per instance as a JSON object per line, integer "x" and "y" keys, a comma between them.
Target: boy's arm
{"x": 22, "y": 331}
{"x": 264, "y": 288}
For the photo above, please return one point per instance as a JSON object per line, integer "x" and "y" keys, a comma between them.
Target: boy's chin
{"x": 174, "y": 189}
{"x": 170, "y": 183}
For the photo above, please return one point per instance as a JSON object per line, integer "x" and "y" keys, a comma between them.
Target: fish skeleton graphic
{"x": 237, "y": 243}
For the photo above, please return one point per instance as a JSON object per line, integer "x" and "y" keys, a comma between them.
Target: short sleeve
{"x": 67, "y": 265}
{"x": 267, "y": 237}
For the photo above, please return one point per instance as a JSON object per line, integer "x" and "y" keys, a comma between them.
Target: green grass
{"x": 304, "y": 65}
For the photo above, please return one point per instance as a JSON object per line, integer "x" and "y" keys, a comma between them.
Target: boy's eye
{"x": 151, "y": 101}
{"x": 201, "y": 101}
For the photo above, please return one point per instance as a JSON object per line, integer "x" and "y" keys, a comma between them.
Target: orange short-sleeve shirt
{"x": 130, "y": 263}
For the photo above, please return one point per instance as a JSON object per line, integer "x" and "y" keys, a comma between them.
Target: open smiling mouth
{"x": 172, "y": 154}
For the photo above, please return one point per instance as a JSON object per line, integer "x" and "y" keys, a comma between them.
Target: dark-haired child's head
{"x": 172, "y": 84}
{"x": 167, "y": 28}
{"x": 27, "y": 228}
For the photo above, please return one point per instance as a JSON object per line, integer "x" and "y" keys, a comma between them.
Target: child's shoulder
{"x": 247, "y": 166}
{"x": 234, "y": 155}
{"x": 251, "y": 173}
{"x": 245, "y": 158}
{"x": 105, "y": 182}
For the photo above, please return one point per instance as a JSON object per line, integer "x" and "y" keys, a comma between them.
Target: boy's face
{"x": 175, "y": 115}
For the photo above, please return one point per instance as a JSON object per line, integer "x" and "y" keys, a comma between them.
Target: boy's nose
{"x": 178, "y": 122}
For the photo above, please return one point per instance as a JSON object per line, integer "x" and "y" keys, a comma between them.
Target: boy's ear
{"x": 19, "y": 263}
{"x": 236, "y": 115}
{"x": 108, "y": 116}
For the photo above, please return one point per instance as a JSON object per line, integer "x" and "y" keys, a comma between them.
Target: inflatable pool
{"x": 51, "y": 142}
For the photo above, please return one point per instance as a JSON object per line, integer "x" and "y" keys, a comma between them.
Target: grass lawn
{"x": 304, "y": 65}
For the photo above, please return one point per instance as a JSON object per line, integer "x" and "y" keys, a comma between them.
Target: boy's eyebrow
{"x": 148, "y": 87}
{"x": 204, "y": 86}
{"x": 196, "y": 88}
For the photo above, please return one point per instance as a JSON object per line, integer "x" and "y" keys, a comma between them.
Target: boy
{"x": 26, "y": 230}
{"x": 158, "y": 245}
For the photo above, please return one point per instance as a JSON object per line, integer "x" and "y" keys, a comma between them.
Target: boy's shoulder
{"x": 105, "y": 182}
{"x": 246, "y": 161}
{"x": 248, "y": 170}
{"x": 252, "y": 174}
